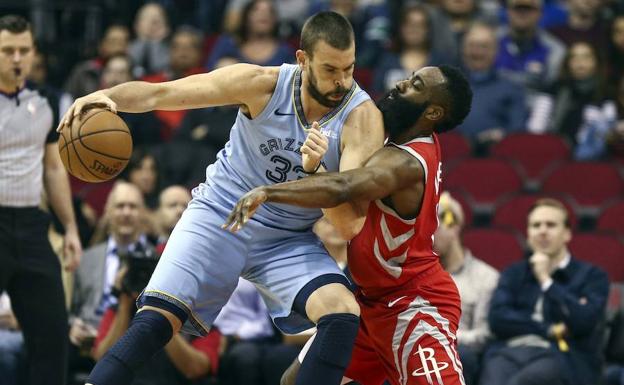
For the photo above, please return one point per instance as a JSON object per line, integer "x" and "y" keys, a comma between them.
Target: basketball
{"x": 97, "y": 147}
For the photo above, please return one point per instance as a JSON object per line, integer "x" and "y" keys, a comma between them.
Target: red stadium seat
{"x": 454, "y": 146}
{"x": 485, "y": 180}
{"x": 601, "y": 249}
{"x": 534, "y": 153}
{"x": 612, "y": 218}
{"x": 498, "y": 247}
{"x": 512, "y": 212}
{"x": 590, "y": 184}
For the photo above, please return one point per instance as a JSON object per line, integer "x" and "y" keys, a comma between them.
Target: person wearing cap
{"x": 527, "y": 53}
{"x": 475, "y": 280}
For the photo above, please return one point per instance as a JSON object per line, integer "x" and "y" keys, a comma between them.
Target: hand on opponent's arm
{"x": 388, "y": 170}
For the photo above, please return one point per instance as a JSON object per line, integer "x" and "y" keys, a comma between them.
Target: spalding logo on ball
{"x": 97, "y": 147}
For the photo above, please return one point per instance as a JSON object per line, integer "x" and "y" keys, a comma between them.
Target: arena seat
{"x": 601, "y": 249}
{"x": 485, "y": 180}
{"x": 535, "y": 154}
{"x": 611, "y": 218}
{"x": 454, "y": 146}
{"x": 590, "y": 184}
{"x": 498, "y": 247}
{"x": 512, "y": 211}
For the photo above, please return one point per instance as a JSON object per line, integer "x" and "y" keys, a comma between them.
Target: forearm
{"x": 331, "y": 189}
{"x": 57, "y": 188}
{"x": 189, "y": 361}
{"x": 116, "y": 331}
{"x": 136, "y": 96}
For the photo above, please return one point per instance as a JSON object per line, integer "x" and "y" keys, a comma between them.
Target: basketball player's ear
{"x": 301, "y": 58}
{"x": 434, "y": 112}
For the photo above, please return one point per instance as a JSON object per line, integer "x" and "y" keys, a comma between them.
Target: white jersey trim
{"x": 390, "y": 211}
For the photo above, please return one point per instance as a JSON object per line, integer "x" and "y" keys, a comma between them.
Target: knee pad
{"x": 335, "y": 337}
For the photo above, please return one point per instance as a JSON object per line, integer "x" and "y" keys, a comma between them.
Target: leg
{"x": 191, "y": 282}
{"x": 37, "y": 296}
{"x": 11, "y": 353}
{"x": 336, "y": 313}
{"x": 301, "y": 283}
{"x": 470, "y": 362}
{"x": 498, "y": 368}
{"x": 542, "y": 370}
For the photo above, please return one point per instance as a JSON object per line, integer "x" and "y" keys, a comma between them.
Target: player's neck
{"x": 312, "y": 109}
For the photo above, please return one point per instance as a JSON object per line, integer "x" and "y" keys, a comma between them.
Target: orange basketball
{"x": 97, "y": 147}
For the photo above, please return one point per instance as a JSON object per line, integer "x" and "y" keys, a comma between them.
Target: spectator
{"x": 584, "y": 24}
{"x": 184, "y": 60}
{"x": 578, "y": 106}
{"x": 142, "y": 171}
{"x": 256, "y": 41}
{"x": 143, "y": 126}
{"x": 209, "y": 126}
{"x": 291, "y": 15}
{"x": 412, "y": 49}
{"x": 615, "y": 138}
{"x": 149, "y": 50}
{"x": 29, "y": 269}
{"x": 172, "y": 203}
{"x": 547, "y": 310}
{"x": 246, "y": 324}
{"x": 451, "y": 21}
{"x": 85, "y": 76}
{"x": 475, "y": 280}
{"x": 371, "y": 26}
{"x": 184, "y": 359}
{"x": 59, "y": 100}
{"x": 527, "y": 53}
{"x": 12, "y": 353}
{"x": 498, "y": 105}
{"x": 94, "y": 279}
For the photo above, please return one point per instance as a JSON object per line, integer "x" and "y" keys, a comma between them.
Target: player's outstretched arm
{"x": 389, "y": 170}
{"x": 239, "y": 84}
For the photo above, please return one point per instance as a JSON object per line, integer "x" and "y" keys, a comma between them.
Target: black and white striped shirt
{"x": 26, "y": 126}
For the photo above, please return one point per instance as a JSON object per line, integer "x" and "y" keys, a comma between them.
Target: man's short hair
{"x": 330, "y": 27}
{"x": 459, "y": 98}
{"x": 14, "y": 24}
{"x": 554, "y": 203}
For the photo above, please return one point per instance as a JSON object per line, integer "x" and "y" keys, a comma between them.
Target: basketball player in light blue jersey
{"x": 277, "y": 250}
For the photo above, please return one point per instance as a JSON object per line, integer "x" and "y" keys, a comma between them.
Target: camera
{"x": 141, "y": 263}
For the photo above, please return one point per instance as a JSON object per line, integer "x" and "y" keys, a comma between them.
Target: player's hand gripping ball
{"x": 96, "y": 147}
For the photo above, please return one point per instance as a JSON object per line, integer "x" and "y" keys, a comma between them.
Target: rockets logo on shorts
{"x": 429, "y": 366}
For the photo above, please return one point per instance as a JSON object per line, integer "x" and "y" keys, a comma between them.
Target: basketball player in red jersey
{"x": 410, "y": 307}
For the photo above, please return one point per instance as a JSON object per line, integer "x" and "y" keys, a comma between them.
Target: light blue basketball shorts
{"x": 201, "y": 263}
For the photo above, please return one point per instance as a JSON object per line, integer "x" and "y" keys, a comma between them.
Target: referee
{"x": 29, "y": 162}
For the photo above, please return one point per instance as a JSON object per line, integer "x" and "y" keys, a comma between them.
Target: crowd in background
{"x": 535, "y": 66}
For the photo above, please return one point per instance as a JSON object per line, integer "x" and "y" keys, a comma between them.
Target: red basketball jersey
{"x": 390, "y": 251}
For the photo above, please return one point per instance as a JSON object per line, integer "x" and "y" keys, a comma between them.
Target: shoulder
{"x": 589, "y": 268}
{"x": 252, "y": 75}
{"x": 365, "y": 112}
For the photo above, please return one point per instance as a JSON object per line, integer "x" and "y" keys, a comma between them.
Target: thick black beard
{"x": 323, "y": 99}
{"x": 399, "y": 114}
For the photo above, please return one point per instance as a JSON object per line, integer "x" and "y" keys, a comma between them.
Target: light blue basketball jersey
{"x": 276, "y": 251}
{"x": 265, "y": 150}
